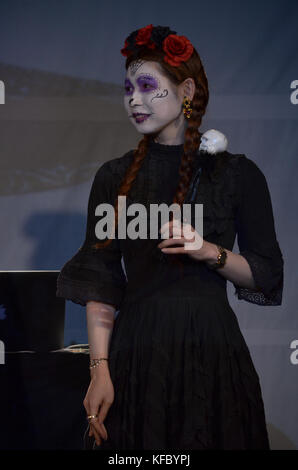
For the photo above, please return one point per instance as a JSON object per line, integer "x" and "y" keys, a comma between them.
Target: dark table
{"x": 41, "y": 399}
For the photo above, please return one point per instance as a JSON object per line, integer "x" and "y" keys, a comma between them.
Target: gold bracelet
{"x": 95, "y": 362}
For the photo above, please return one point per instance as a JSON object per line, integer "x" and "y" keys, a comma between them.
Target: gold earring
{"x": 187, "y": 110}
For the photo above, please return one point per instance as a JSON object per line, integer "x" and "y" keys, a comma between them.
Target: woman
{"x": 176, "y": 372}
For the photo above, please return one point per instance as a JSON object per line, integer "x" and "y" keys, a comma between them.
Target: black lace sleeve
{"x": 257, "y": 237}
{"x": 95, "y": 274}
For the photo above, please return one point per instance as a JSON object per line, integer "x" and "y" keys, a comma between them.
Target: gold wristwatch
{"x": 221, "y": 258}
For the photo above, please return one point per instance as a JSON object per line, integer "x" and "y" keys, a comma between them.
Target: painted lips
{"x": 141, "y": 117}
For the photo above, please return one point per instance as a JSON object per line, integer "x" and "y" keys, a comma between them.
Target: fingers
{"x": 168, "y": 227}
{"x": 180, "y": 234}
{"x": 187, "y": 234}
{"x": 102, "y": 416}
{"x": 173, "y": 251}
{"x": 105, "y": 431}
{"x": 95, "y": 433}
{"x": 192, "y": 245}
{"x": 97, "y": 428}
{"x": 177, "y": 229}
{"x": 96, "y": 424}
{"x": 171, "y": 241}
{"x": 166, "y": 244}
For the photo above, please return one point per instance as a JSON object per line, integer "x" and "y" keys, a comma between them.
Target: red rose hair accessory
{"x": 143, "y": 37}
{"x": 177, "y": 48}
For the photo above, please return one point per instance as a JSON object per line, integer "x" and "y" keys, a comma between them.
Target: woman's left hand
{"x": 199, "y": 249}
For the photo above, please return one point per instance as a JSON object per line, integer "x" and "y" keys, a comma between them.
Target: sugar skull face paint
{"x": 150, "y": 99}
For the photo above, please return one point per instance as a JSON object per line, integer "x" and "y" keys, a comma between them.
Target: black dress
{"x": 182, "y": 372}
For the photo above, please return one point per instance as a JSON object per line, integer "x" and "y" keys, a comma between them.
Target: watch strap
{"x": 221, "y": 258}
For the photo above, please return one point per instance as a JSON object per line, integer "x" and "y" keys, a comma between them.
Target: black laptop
{"x": 31, "y": 316}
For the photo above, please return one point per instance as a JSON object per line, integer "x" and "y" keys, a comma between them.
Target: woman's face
{"x": 152, "y": 102}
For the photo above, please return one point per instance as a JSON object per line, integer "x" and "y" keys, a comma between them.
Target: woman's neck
{"x": 173, "y": 134}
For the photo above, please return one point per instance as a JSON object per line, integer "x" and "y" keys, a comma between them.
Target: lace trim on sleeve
{"x": 81, "y": 292}
{"x": 263, "y": 294}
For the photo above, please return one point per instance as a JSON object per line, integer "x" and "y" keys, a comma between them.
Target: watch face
{"x": 221, "y": 261}
{"x": 223, "y": 257}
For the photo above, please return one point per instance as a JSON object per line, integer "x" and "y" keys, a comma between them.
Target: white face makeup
{"x": 150, "y": 98}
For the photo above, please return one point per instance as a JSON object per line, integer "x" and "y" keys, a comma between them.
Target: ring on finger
{"x": 91, "y": 417}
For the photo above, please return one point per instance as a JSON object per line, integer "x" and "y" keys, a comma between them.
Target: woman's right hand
{"x": 98, "y": 399}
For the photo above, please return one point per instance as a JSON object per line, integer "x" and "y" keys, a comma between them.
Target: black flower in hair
{"x": 131, "y": 43}
{"x": 159, "y": 33}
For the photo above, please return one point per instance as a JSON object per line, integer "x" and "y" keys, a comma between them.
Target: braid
{"x": 191, "y": 143}
{"x": 129, "y": 177}
{"x": 192, "y": 136}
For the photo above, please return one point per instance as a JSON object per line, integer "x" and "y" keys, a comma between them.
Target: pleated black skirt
{"x": 183, "y": 378}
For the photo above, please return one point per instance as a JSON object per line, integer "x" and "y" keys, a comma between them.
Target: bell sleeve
{"x": 257, "y": 237}
{"x": 95, "y": 274}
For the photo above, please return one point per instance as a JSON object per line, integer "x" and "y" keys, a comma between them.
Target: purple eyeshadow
{"x": 147, "y": 83}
